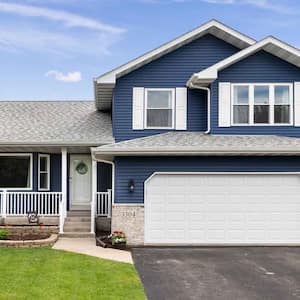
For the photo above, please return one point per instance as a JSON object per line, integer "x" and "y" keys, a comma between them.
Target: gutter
{"x": 208, "y": 103}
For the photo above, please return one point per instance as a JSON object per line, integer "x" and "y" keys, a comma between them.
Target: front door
{"x": 80, "y": 182}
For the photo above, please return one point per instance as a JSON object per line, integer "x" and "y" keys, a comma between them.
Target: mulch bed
{"x": 103, "y": 240}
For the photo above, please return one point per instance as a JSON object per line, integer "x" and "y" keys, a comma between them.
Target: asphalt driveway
{"x": 219, "y": 273}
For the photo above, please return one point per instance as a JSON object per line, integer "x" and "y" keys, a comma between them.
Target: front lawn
{"x": 44, "y": 273}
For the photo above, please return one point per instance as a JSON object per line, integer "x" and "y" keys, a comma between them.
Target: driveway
{"x": 219, "y": 273}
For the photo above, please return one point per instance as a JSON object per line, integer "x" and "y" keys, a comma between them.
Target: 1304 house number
{"x": 130, "y": 214}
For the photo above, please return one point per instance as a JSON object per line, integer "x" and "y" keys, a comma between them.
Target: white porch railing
{"x": 20, "y": 203}
{"x": 103, "y": 204}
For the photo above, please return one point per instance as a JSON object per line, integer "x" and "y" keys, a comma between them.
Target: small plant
{"x": 118, "y": 237}
{"x": 3, "y": 234}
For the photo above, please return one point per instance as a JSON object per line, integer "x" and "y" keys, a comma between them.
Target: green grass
{"x": 44, "y": 273}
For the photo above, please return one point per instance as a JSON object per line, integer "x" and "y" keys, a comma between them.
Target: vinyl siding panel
{"x": 140, "y": 168}
{"x": 170, "y": 71}
{"x": 261, "y": 67}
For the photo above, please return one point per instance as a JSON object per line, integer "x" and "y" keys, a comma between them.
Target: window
{"x": 262, "y": 104}
{"x": 159, "y": 108}
{"x": 44, "y": 172}
{"x": 16, "y": 171}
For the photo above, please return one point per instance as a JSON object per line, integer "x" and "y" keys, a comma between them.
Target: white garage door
{"x": 222, "y": 209}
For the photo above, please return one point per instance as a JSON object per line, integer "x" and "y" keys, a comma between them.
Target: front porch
{"x": 64, "y": 190}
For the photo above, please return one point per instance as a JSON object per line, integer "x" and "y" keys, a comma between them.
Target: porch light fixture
{"x": 131, "y": 186}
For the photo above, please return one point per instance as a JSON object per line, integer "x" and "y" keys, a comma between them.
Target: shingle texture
{"x": 196, "y": 141}
{"x": 53, "y": 122}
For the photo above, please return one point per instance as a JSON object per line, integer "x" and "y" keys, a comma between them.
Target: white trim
{"x": 271, "y": 104}
{"x": 270, "y": 44}
{"x": 219, "y": 173}
{"x": 30, "y": 155}
{"x": 47, "y": 156}
{"x": 94, "y": 192}
{"x": 172, "y": 90}
{"x": 213, "y": 25}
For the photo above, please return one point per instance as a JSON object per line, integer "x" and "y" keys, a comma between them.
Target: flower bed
{"x": 28, "y": 236}
{"x": 115, "y": 240}
{"x": 47, "y": 242}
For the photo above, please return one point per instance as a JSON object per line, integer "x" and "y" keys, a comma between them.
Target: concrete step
{"x": 77, "y": 234}
{"x": 79, "y": 213}
{"x": 78, "y": 224}
{"x": 78, "y": 219}
{"x": 77, "y": 229}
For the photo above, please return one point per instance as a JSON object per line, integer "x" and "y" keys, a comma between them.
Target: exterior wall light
{"x": 131, "y": 186}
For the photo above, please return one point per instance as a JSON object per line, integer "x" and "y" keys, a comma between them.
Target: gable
{"x": 261, "y": 67}
{"x": 105, "y": 83}
{"x": 176, "y": 67}
{"x": 170, "y": 71}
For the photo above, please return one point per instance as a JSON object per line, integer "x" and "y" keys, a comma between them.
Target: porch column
{"x": 94, "y": 192}
{"x": 64, "y": 178}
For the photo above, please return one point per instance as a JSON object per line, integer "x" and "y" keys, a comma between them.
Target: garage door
{"x": 222, "y": 209}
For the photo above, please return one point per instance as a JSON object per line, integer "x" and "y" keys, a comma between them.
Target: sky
{"x": 52, "y": 49}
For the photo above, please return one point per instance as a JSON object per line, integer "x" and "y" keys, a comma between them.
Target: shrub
{"x": 3, "y": 234}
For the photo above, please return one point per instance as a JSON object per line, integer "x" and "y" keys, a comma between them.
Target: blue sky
{"x": 52, "y": 49}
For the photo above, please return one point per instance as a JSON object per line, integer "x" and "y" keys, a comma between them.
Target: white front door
{"x": 223, "y": 209}
{"x": 80, "y": 181}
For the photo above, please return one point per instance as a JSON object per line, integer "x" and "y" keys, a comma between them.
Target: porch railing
{"x": 20, "y": 203}
{"x": 103, "y": 204}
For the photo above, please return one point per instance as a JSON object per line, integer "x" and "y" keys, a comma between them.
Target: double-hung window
{"x": 159, "y": 108}
{"x": 262, "y": 104}
{"x": 44, "y": 172}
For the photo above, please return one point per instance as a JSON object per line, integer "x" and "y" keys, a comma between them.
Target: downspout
{"x": 208, "y": 103}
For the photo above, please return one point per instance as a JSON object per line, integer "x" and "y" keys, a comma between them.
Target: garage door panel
{"x": 223, "y": 209}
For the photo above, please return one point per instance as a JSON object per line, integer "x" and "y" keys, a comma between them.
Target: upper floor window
{"x": 262, "y": 104}
{"x": 159, "y": 108}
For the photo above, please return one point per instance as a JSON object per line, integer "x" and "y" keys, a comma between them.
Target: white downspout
{"x": 208, "y": 103}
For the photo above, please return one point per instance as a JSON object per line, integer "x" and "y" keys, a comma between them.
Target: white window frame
{"x": 30, "y": 172}
{"x": 47, "y": 156}
{"x": 172, "y": 90}
{"x": 271, "y": 103}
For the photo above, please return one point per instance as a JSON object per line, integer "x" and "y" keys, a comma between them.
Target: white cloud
{"x": 68, "y": 77}
{"x": 69, "y": 19}
{"x": 64, "y": 44}
{"x": 271, "y": 5}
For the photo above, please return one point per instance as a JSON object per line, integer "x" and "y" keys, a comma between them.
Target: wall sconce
{"x": 131, "y": 186}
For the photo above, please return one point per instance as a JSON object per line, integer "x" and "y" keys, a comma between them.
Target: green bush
{"x": 3, "y": 234}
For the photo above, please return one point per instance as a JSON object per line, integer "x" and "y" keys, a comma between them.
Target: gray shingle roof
{"x": 53, "y": 122}
{"x": 200, "y": 143}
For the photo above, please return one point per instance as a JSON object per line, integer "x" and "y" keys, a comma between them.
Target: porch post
{"x": 94, "y": 192}
{"x": 64, "y": 178}
{"x": 4, "y": 203}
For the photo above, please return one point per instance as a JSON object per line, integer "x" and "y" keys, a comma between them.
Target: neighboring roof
{"x": 197, "y": 143}
{"x": 53, "y": 123}
{"x": 104, "y": 84}
{"x": 270, "y": 44}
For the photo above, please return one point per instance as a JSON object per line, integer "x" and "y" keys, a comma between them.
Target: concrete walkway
{"x": 88, "y": 246}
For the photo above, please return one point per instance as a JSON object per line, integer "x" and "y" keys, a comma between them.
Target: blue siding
{"x": 169, "y": 71}
{"x": 260, "y": 67}
{"x": 139, "y": 169}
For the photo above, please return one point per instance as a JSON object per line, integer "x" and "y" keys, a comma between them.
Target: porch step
{"x": 77, "y": 234}
{"x": 79, "y": 213}
{"x": 78, "y": 219}
{"x": 78, "y": 222}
